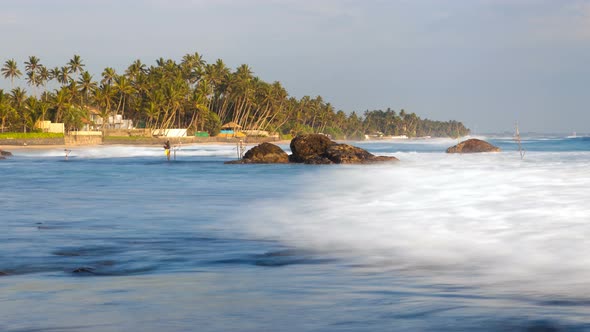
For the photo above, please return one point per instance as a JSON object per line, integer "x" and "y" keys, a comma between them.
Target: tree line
{"x": 190, "y": 94}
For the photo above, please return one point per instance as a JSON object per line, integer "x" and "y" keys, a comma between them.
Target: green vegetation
{"x": 189, "y": 94}
{"x": 391, "y": 124}
{"x": 29, "y": 135}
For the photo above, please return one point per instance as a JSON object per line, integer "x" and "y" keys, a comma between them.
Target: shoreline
{"x": 21, "y": 147}
{"x": 131, "y": 143}
{"x": 31, "y": 146}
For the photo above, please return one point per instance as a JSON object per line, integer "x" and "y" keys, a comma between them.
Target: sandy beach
{"x": 13, "y": 148}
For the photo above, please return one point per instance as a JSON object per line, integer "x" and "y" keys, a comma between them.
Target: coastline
{"x": 156, "y": 142}
{"x": 130, "y": 143}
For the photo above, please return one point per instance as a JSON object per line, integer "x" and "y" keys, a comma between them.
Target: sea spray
{"x": 479, "y": 220}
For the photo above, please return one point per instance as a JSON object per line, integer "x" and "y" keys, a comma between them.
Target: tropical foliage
{"x": 188, "y": 94}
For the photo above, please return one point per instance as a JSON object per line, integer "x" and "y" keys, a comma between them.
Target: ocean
{"x": 116, "y": 238}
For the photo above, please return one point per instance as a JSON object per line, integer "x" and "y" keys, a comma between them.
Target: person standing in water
{"x": 167, "y": 149}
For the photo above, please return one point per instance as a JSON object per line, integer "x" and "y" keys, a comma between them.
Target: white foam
{"x": 484, "y": 218}
{"x": 424, "y": 141}
{"x": 127, "y": 151}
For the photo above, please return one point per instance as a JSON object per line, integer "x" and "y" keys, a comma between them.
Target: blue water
{"x": 118, "y": 239}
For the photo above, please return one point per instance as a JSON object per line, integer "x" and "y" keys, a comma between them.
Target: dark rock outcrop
{"x": 308, "y": 147}
{"x": 473, "y": 145}
{"x": 4, "y": 154}
{"x": 265, "y": 153}
{"x": 83, "y": 269}
{"x": 314, "y": 149}
{"x": 318, "y": 160}
{"x": 318, "y": 149}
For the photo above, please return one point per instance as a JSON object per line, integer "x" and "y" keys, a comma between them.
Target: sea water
{"x": 116, "y": 238}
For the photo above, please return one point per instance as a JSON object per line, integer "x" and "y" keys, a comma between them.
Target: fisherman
{"x": 167, "y": 149}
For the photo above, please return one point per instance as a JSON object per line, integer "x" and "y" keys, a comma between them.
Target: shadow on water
{"x": 535, "y": 326}
{"x": 276, "y": 259}
{"x": 57, "y": 328}
{"x": 143, "y": 255}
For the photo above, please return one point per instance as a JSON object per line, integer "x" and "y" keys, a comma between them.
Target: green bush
{"x": 334, "y": 132}
{"x": 212, "y": 124}
{"x": 32, "y": 135}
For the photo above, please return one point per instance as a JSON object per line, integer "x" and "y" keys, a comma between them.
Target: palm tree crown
{"x": 10, "y": 70}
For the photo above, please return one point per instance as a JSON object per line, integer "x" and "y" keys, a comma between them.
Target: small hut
{"x": 229, "y": 129}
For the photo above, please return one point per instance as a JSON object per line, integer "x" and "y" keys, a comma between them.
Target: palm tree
{"x": 44, "y": 106}
{"x": 75, "y": 65}
{"x": 63, "y": 75}
{"x": 18, "y": 97}
{"x": 87, "y": 86}
{"x": 102, "y": 97}
{"x": 10, "y": 70}
{"x": 192, "y": 67}
{"x": 6, "y": 109}
{"x": 124, "y": 89}
{"x": 33, "y": 80}
{"x": 135, "y": 69}
{"x": 108, "y": 76}
{"x": 44, "y": 76}
{"x": 31, "y": 67}
{"x": 31, "y": 113}
{"x": 201, "y": 102}
{"x": 54, "y": 73}
{"x": 61, "y": 101}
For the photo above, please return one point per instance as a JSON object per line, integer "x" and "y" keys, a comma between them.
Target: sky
{"x": 487, "y": 63}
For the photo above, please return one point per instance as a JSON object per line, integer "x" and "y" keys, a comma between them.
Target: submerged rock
{"x": 4, "y": 154}
{"x": 473, "y": 145}
{"x": 265, "y": 153}
{"x": 83, "y": 269}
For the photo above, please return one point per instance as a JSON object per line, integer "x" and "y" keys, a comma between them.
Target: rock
{"x": 318, "y": 149}
{"x": 309, "y": 146}
{"x": 318, "y": 160}
{"x": 382, "y": 159}
{"x": 84, "y": 270}
{"x": 4, "y": 154}
{"x": 347, "y": 154}
{"x": 313, "y": 149}
{"x": 265, "y": 153}
{"x": 473, "y": 145}
{"x": 3, "y": 273}
{"x": 315, "y": 160}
